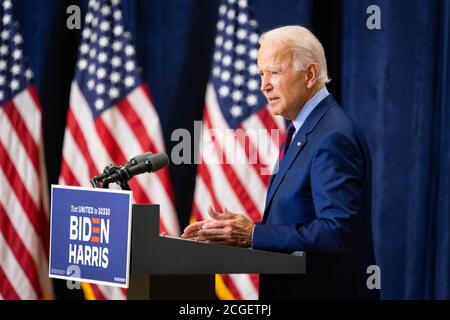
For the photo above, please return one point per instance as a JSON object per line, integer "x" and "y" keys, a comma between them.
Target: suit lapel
{"x": 297, "y": 144}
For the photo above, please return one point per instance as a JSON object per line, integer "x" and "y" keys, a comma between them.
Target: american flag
{"x": 24, "y": 224}
{"x": 236, "y": 173}
{"x": 112, "y": 118}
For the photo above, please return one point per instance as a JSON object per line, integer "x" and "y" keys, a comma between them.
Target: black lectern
{"x": 164, "y": 267}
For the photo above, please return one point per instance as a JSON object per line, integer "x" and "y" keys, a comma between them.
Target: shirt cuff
{"x": 253, "y": 232}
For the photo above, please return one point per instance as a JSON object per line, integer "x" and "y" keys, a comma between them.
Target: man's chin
{"x": 274, "y": 110}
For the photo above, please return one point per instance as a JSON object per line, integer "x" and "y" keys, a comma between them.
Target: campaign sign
{"x": 90, "y": 235}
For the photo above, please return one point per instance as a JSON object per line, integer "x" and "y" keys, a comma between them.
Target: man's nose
{"x": 265, "y": 84}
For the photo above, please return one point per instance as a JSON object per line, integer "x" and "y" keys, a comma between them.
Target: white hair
{"x": 306, "y": 48}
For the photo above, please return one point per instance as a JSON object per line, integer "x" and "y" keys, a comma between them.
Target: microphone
{"x": 138, "y": 159}
{"x": 148, "y": 163}
{"x": 108, "y": 170}
{"x": 112, "y": 168}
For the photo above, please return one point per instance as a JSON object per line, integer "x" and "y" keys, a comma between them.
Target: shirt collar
{"x": 308, "y": 107}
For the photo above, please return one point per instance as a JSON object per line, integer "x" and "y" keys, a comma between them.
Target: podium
{"x": 164, "y": 267}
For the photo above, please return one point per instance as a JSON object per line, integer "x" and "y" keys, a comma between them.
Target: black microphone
{"x": 138, "y": 159}
{"x": 112, "y": 168}
{"x": 152, "y": 163}
{"x": 108, "y": 170}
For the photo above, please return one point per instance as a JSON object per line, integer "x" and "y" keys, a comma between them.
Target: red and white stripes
{"x": 24, "y": 224}
{"x": 129, "y": 128}
{"x": 225, "y": 180}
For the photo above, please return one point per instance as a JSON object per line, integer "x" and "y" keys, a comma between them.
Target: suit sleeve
{"x": 337, "y": 190}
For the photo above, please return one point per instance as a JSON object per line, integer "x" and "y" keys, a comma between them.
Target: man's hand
{"x": 225, "y": 228}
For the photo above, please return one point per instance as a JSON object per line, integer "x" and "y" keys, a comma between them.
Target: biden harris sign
{"x": 90, "y": 235}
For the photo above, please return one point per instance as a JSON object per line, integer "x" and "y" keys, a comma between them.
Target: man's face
{"x": 284, "y": 88}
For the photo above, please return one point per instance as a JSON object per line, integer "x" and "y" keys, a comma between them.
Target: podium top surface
{"x": 155, "y": 254}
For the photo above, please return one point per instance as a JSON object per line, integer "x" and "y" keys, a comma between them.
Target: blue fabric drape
{"x": 395, "y": 84}
{"x": 440, "y": 287}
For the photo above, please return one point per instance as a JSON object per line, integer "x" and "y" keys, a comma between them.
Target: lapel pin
{"x": 299, "y": 144}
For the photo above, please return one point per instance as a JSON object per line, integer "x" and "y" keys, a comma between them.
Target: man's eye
{"x": 274, "y": 73}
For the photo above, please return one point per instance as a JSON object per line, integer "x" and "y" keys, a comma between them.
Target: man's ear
{"x": 311, "y": 75}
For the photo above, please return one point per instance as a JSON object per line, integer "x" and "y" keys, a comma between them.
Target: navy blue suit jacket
{"x": 319, "y": 202}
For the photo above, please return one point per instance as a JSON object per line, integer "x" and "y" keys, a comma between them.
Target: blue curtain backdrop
{"x": 396, "y": 85}
{"x": 394, "y": 82}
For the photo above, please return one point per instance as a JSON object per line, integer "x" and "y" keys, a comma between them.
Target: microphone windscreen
{"x": 159, "y": 161}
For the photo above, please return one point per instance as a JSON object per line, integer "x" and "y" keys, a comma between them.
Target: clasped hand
{"x": 224, "y": 228}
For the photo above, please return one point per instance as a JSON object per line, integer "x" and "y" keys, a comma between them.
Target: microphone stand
{"x": 123, "y": 185}
{"x": 107, "y": 171}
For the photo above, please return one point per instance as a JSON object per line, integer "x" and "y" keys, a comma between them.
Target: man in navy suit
{"x": 319, "y": 201}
